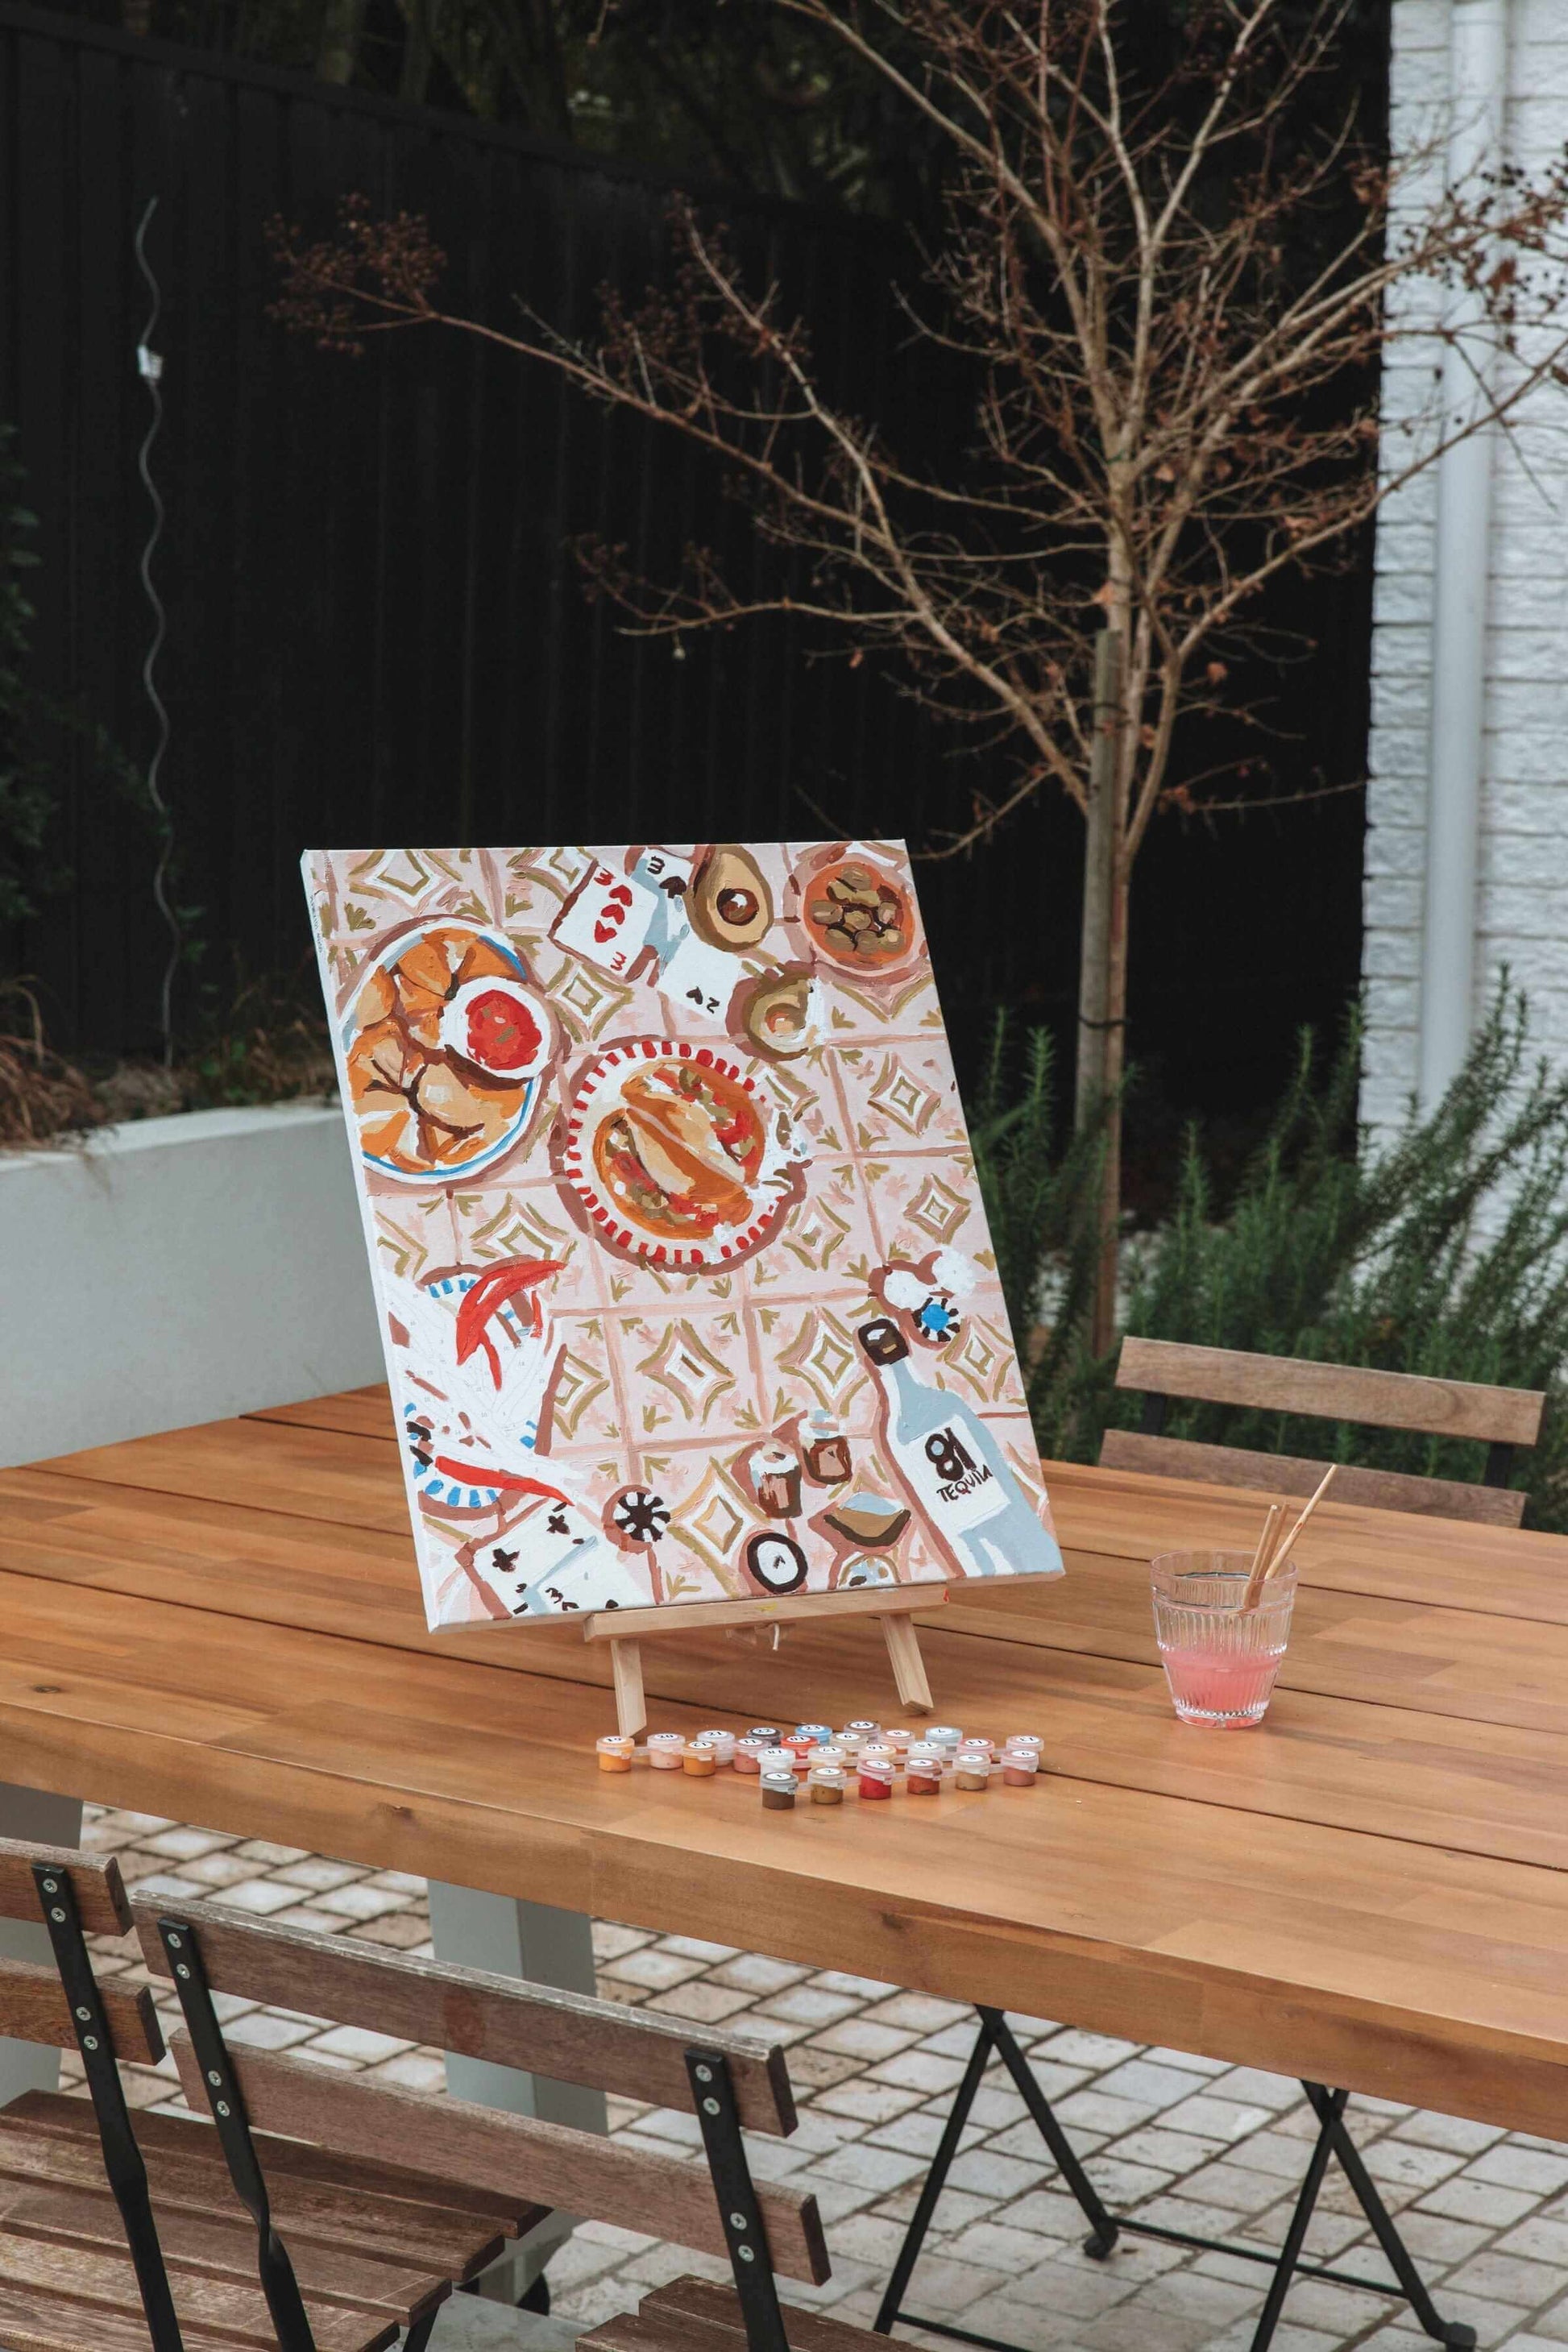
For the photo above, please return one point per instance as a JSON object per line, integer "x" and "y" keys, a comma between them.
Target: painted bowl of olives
{"x": 859, "y": 913}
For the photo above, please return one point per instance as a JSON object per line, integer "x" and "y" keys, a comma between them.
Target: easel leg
{"x": 631, "y": 1707}
{"x": 909, "y": 1666}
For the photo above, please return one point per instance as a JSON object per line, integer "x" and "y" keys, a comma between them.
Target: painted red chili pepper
{"x": 489, "y": 1294}
{"x": 471, "y": 1474}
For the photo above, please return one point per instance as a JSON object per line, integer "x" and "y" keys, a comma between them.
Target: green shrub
{"x": 1443, "y": 1252}
{"x": 1037, "y": 1202}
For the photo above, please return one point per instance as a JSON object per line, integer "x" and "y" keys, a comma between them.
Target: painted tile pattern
{"x": 608, "y": 1413}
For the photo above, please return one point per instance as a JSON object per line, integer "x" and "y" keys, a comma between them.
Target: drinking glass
{"x": 1220, "y": 1659}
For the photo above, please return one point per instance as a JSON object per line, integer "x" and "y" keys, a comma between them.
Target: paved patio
{"x": 1192, "y": 2143}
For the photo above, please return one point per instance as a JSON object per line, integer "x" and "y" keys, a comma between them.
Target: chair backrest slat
{"x": 34, "y": 2008}
{"x": 570, "y": 2037}
{"x": 516, "y": 2155}
{"x": 100, "y": 1889}
{"x": 1335, "y": 1392}
{"x": 1284, "y": 1473}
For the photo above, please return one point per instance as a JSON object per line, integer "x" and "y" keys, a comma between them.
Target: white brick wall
{"x": 1521, "y": 904}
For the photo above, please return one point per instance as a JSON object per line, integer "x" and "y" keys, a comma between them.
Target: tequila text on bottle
{"x": 956, "y": 1473}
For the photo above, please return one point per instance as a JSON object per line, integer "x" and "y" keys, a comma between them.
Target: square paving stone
{"x": 1456, "y": 2132}
{"x": 989, "y": 2175}
{"x": 652, "y": 1969}
{"x": 921, "y": 2134}
{"x": 857, "y": 1988}
{"x": 855, "y": 2037}
{"x": 1463, "y": 2199}
{"x": 1213, "y": 2117}
{"x": 1512, "y": 2167}
{"x": 955, "y": 2210}
{"x": 755, "y": 1972}
{"x": 708, "y": 2002}
{"x": 1095, "y": 2051}
{"x": 921, "y": 2013}
{"x": 917, "y": 2070}
{"x": 1509, "y": 2278}
{"x": 1145, "y": 2083}
{"x": 881, "y": 2169}
{"x": 870, "y": 2102}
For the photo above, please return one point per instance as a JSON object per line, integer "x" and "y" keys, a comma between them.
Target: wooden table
{"x": 223, "y": 1624}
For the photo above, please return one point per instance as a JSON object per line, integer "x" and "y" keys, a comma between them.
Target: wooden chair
{"x": 512, "y": 2168}
{"x": 1502, "y": 1419}
{"x": 80, "y": 2263}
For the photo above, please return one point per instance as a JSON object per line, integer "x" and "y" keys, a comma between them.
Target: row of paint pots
{"x": 826, "y": 1763}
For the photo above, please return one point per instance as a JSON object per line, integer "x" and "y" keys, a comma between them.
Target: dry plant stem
{"x": 1259, "y": 1568}
{"x": 1172, "y": 405}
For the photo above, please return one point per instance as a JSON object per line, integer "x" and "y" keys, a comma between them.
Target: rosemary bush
{"x": 1443, "y": 1252}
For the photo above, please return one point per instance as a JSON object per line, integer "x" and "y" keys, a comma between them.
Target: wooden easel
{"x": 897, "y": 1607}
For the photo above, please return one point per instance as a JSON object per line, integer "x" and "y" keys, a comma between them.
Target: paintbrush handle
{"x": 1283, "y": 1552}
{"x": 1260, "y": 1557}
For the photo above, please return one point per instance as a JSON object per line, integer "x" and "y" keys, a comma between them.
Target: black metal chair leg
{"x": 892, "y": 2303}
{"x": 1296, "y": 2236}
{"x": 1456, "y": 2333}
{"x": 418, "y": 2335}
{"x": 1102, "y": 2232}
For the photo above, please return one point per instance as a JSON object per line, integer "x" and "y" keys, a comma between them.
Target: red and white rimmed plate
{"x": 720, "y": 1175}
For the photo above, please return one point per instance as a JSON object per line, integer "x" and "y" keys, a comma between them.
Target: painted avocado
{"x": 729, "y": 903}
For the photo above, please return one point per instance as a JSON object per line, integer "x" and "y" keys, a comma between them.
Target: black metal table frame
{"x": 996, "y": 2038}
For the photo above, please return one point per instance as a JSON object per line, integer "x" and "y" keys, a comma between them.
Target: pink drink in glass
{"x": 1220, "y": 1660}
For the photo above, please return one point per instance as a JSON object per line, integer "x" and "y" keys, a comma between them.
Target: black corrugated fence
{"x": 375, "y": 630}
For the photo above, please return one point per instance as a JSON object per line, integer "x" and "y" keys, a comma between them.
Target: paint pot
{"x": 1029, "y": 1739}
{"x": 803, "y": 1750}
{"x": 972, "y": 1770}
{"x": 722, "y": 1743}
{"x": 899, "y": 1740}
{"x": 874, "y": 1780}
{"x": 778, "y": 1792}
{"x": 864, "y": 1728}
{"x": 946, "y": 1735}
{"x": 922, "y": 1772}
{"x": 767, "y": 1732}
{"x": 666, "y": 1750}
{"x": 776, "y": 1761}
{"x": 748, "y": 1753}
{"x": 881, "y": 1751}
{"x": 836, "y": 1756}
{"x": 819, "y": 1734}
{"x": 614, "y": 1752}
{"x": 1020, "y": 1769}
{"x": 699, "y": 1763}
{"x": 825, "y": 1783}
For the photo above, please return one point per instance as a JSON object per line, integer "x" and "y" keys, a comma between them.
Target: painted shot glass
{"x": 1220, "y": 1659}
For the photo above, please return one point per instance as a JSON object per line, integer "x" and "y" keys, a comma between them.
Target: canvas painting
{"x": 683, "y": 1273}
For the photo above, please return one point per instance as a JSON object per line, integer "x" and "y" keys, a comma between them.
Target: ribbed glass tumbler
{"x": 1220, "y": 1659}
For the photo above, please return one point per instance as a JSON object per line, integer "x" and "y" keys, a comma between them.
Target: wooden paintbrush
{"x": 1275, "y": 1560}
{"x": 1259, "y": 1568}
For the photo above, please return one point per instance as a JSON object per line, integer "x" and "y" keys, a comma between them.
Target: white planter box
{"x": 178, "y": 1270}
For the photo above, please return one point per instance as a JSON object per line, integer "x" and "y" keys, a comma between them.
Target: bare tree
{"x": 1170, "y": 284}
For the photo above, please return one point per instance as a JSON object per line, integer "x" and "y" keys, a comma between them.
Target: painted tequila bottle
{"x": 956, "y": 1473}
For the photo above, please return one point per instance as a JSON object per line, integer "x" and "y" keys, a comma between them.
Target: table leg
{"x": 518, "y": 1940}
{"x": 38, "y": 1814}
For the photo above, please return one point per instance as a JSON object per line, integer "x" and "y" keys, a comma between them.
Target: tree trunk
{"x": 1102, "y": 975}
{"x": 1102, "y": 1321}
{"x": 414, "y": 81}
{"x": 337, "y": 48}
